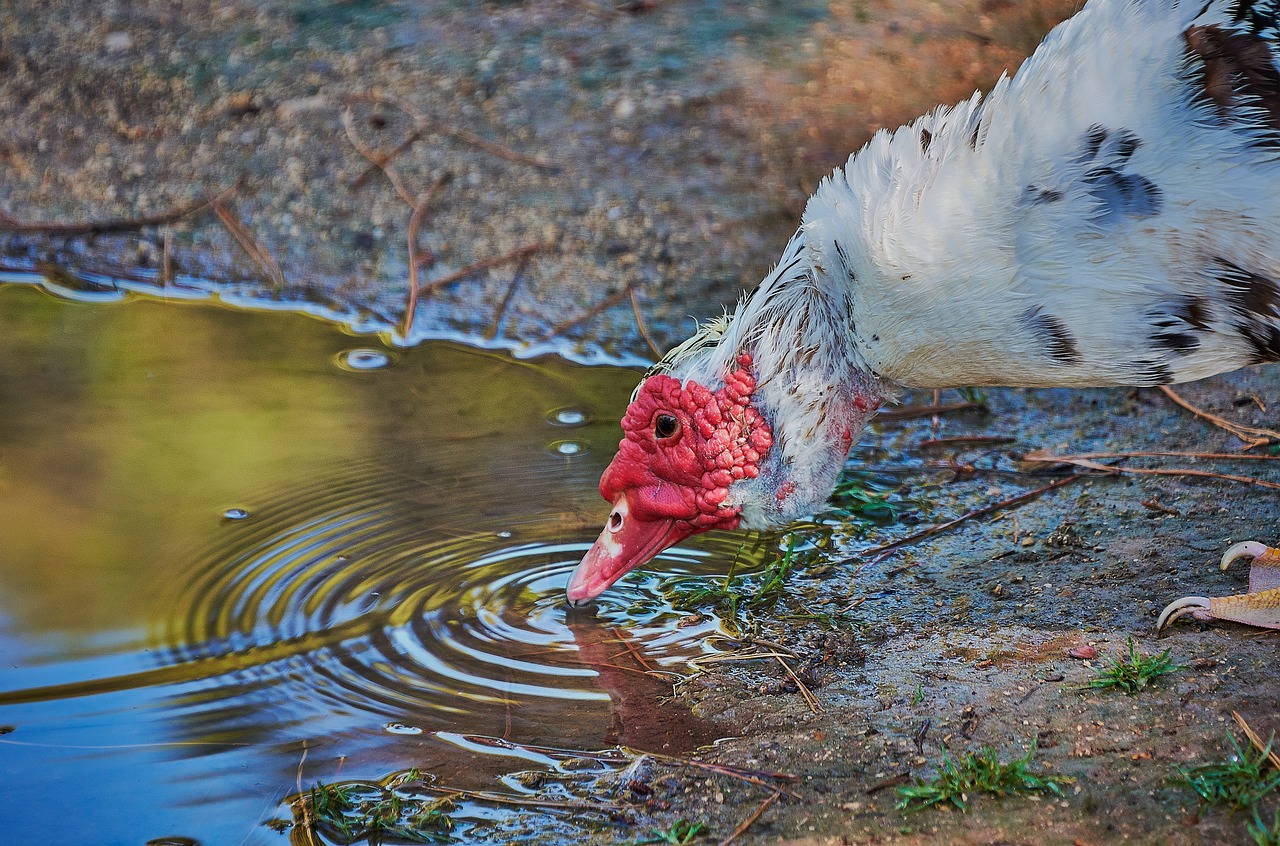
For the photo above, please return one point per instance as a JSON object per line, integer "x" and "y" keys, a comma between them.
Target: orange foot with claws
{"x": 1259, "y": 607}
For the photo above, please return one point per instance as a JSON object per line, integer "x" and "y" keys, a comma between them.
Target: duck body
{"x": 1110, "y": 215}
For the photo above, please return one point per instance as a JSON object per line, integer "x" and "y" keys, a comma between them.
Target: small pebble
{"x": 117, "y": 42}
{"x": 1083, "y": 653}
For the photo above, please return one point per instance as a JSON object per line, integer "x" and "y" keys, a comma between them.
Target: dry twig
{"x": 604, "y": 305}
{"x": 415, "y": 222}
{"x": 485, "y": 264}
{"x": 964, "y": 440}
{"x": 381, "y": 162}
{"x": 878, "y": 554}
{"x": 809, "y": 698}
{"x": 252, "y": 248}
{"x": 496, "y": 323}
{"x": 1250, "y": 435}
{"x": 423, "y": 125}
{"x": 912, "y": 412}
{"x": 1110, "y": 469}
{"x": 504, "y": 799}
{"x": 644, "y": 330}
{"x": 1272, "y": 754}
{"x": 737, "y": 832}
{"x": 107, "y": 227}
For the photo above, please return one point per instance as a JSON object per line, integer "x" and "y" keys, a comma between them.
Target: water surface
{"x": 243, "y": 551}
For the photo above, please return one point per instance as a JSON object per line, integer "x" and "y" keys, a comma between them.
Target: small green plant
{"x": 1134, "y": 672}
{"x": 682, "y": 831}
{"x": 918, "y": 696}
{"x": 774, "y": 577}
{"x": 975, "y": 773}
{"x": 374, "y": 813}
{"x": 1240, "y": 781}
{"x": 732, "y": 597}
{"x": 1262, "y": 834}
{"x": 861, "y": 498}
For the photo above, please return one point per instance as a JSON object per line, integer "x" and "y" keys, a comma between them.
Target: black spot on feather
{"x": 1194, "y": 311}
{"x": 1093, "y": 138}
{"x": 1154, "y": 373}
{"x": 1122, "y": 194}
{"x": 1059, "y": 343}
{"x": 1038, "y": 195}
{"x": 1233, "y": 71}
{"x": 1254, "y": 301}
{"x": 1176, "y": 326}
{"x": 1104, "y": 156}
{"x": 926, "y": 138}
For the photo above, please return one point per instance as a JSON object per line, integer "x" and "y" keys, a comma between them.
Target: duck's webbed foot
{"x": 1259, "y": 607}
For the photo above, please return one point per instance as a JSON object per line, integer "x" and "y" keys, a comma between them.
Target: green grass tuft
{"x": 1134, "y": 672}
{"x": 1241, "y": 781}
{"x": 975, "y": 773}
{"x": 681, "y": 832}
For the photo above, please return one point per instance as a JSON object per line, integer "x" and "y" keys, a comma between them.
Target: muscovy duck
{"x": 1110, "y": 215}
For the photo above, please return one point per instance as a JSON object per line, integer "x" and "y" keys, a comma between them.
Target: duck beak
{"x": 627, "y": 542}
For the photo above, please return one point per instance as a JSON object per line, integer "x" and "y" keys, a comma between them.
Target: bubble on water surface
{"x": 235, "y": 514}
{"x": 568, "y": 417}
{"x": 363, "y": 359}
{"x": 568, "y": 447}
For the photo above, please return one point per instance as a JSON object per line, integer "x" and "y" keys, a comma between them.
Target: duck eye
{"x": 665, "y": 426}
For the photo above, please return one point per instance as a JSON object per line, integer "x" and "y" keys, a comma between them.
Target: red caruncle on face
{"x": 684, "y": 446}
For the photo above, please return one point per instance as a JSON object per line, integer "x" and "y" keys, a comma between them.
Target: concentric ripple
{"x": 341, "y": 599}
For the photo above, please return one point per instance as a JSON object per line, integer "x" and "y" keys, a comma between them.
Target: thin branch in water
{"x": 604, "y": 305}
{"x": 1112, "y": 470}
{"x": 308, "y": 822}
{"x": 1250, "y": 435}
{"x": 631, "y": 648}
{"x": 503, "y": 799}
{"x": 107, "y": 227}
{"x": 737, "y": 832}
{"x": 258, "y": 253}
{"x": 644, "y": 330}
{"x": 415, "y": 222}
{"x": 878, "y": 554}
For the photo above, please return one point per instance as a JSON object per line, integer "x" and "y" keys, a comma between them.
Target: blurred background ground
{"x": 680, "y": 137}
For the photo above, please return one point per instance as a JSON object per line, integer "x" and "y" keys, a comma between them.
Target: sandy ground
{"x": 667, "y": 151}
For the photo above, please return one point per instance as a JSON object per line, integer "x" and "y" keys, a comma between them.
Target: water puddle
{"x": 244, "y": 552}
